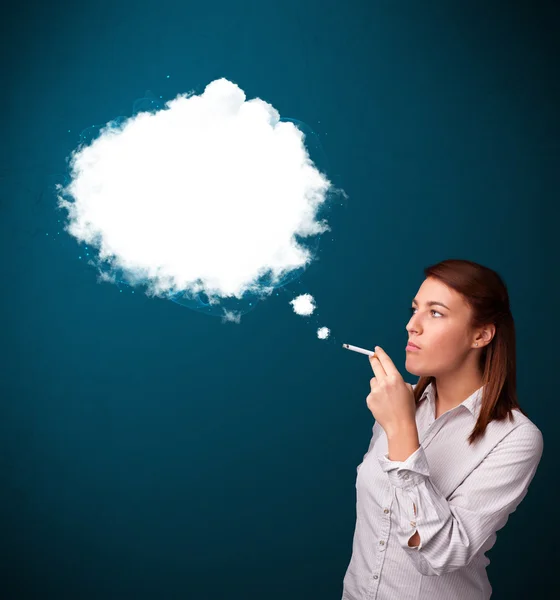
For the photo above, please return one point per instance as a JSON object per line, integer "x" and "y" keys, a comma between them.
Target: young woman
{"x": 452, "y": 456}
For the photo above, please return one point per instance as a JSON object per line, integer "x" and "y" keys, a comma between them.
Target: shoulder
{"x": 519, "y": 427}
{"x": 529, "y": 433}
{"x": 522, "y": 420}
{"x": 518, "y": 442}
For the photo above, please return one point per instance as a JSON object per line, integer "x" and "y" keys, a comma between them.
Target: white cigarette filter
{"x": 358, "y": 349}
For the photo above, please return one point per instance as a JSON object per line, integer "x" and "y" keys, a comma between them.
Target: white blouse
{"x": 456, "y": 495}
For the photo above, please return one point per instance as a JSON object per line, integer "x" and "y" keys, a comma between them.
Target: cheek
{"x": 452, "y": 338}
{"x": 446, "y": 337}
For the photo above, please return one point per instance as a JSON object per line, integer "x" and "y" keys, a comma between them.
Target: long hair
{"x": 486, "y": 293}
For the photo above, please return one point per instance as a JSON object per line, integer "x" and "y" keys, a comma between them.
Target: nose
{"x": 411, "y": 326}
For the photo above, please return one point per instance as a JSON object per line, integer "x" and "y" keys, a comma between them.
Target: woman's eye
{"x": 412, "y": 309}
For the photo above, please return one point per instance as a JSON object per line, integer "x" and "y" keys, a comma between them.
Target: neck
{"x": 451, "y": 389}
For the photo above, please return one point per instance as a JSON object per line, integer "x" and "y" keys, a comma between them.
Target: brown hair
{"x": 486, "y": 293}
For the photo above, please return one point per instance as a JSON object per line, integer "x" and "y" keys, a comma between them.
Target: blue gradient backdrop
{"x": 148, "y": 451}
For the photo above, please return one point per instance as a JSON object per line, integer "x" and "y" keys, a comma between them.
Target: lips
{"x": 413, "y": 345}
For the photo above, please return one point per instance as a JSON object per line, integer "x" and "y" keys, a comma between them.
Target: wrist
{"x": 402, "y": 430}
{"x": 402, "y": 442}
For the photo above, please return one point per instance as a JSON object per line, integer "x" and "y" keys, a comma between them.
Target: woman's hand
{"x": 391, "y": 400}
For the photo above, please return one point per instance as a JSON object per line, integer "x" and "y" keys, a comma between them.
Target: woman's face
{"x": 443, "y": 333}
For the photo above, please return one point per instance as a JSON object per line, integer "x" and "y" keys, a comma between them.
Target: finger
{"x": 386, "y": 362}
{"x": 377, "y": 366}
{"x": 373, "y": 383}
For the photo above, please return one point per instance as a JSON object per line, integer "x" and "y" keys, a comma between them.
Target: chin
{"x": 415, "y": 370}
{"x": 412, "y": 371}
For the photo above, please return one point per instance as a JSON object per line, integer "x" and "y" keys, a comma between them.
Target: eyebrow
{"x": 432, "y": 303}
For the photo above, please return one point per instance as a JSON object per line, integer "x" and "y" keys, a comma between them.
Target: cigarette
{"x": 358, "y": 349}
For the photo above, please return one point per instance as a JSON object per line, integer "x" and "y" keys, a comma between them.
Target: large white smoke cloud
{"x": 205, "y": 195}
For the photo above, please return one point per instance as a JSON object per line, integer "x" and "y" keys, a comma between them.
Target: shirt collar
{"x": 472, "y": 403}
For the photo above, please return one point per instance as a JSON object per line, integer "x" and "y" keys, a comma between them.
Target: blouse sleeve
{"x": 374, "y": 433}
{"x": 452, "y": 530}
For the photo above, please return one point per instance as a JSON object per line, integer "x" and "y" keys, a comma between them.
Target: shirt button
{"x": 386, "y": 511}
{"x": 375, "y": 576}
{"x": 382, "y": 542}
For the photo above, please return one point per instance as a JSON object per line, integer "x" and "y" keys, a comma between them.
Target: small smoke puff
{"x": 323, "y": 333}
{"x": 206, "y": 195}
{"x": 231, "y": 316}
{"x": 303, "y": 305}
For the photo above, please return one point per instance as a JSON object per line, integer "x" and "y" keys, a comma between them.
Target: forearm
{"x": 403, "y": 443}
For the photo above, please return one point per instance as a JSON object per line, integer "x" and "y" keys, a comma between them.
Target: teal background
{"x": 149, "y": 451}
